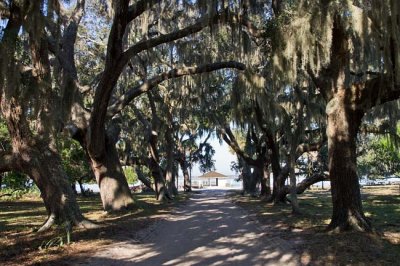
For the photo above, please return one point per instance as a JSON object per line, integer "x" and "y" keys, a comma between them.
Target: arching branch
{"x": 223, "y": 17}
{"x": 131, "y": 94}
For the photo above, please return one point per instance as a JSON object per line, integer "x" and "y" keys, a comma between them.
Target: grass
{"x": 20, "y": 245}
{"x": 318, "y": 247}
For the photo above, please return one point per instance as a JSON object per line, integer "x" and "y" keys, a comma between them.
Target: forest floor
{"x": 209, "y": 228}
{"x": 318, "y": 247}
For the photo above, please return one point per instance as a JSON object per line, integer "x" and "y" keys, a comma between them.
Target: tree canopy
{"x": 98, "y": 89}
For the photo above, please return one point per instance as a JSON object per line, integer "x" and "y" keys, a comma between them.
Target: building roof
{"x": 212, "y": 174}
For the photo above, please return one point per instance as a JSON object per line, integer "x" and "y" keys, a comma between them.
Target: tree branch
{"x": 306, "y": 183}
{"x": 131, "y": 94}
{"x": 140, "y": 7}
{"x": 304, "y": 147}
{"x": 230, "y": 139}
{"x": 223, "y": 17}
{"x": 195, "y": 153}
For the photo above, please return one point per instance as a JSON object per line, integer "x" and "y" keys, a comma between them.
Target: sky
{"x": 222, "y": 157}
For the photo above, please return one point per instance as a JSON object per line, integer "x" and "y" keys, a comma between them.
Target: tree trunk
{"x": 279, "y": 179}
{"x": 279, "y": 175}
{"x": 45, "y": 168}
{"x": 342, "y": 129}
{"x": 170, "y": 181}
{"x": 83, "y": 191}
{"x": 159, "y": 181}
{"x": 175, "y": 179}
{"x": 146, "y": 181}
{"x": 265, "y": 183}
{"x": 250, "y": 180}
{"x": 293, "y": 189}
{"x": 186, "y": 177}
{"x": 114, "y": 189}
{"x": 169, "y": 171}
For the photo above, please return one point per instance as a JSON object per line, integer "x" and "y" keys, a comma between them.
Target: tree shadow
{"x": 209, "y": 230}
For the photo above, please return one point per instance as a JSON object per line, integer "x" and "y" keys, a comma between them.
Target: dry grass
{"x": 20, "y": 245}
{"x": 317, "y": 247}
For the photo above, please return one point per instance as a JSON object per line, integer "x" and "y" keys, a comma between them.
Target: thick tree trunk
{"x": 44, "y": 166}
{"x": 114, "y": 189}
{"x": 279, "y": 179}
{"x": 250, "y": 180}
{"x": 265, "y": 183}
{"x": 159, "y": 181}
{"x": 279, "y": 175}
{"x": 186, "y": 177}
{"x": 170, "y": 181}
{"x": 343, "y": 125}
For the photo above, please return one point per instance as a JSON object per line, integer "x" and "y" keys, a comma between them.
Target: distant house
{"x": 215, "y": 179}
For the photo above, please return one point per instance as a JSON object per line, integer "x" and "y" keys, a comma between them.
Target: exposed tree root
{"x": 48, "y": 224}
{"x": 80, "y": 223}
{"x": 351, "y": 222}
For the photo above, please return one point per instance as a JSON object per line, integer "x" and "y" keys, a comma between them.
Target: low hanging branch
{"x": 306, "y": 183}
{"x": 131, "y": 94}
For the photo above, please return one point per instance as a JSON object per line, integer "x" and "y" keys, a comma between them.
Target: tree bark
{"x": 186, "y": 177}
{"x": 169, "y": 173}
{"x": 249, "y": 179}
{"x": 159, "y": 181}
{"x": 265, "y": 183}
{"x": 114, "y": 189}
{"x": 279, "y": 174}
{"x": 59, "y": 199}
{"x": 293, "y": 193}
{"x": 44, "y": 166}
{"x": 342, "y": 129}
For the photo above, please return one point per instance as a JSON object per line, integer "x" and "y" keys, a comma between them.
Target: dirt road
{"x": 208, "y": 230}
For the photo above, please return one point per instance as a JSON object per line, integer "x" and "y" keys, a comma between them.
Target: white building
{"x": 216, "y": 180}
